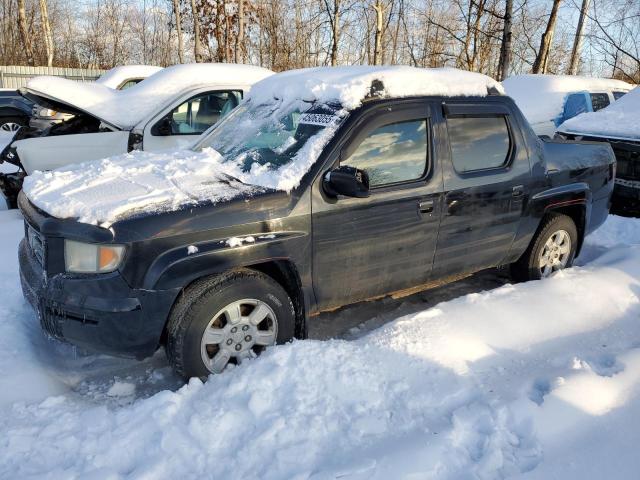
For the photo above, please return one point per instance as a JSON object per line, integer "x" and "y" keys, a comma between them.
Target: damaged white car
{"x": 166, "y": 111}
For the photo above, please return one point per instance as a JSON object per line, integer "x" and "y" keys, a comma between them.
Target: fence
{"x": 16, "y": 76}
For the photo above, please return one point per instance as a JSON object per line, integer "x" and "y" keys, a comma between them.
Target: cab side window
{"x": 575, "y": 105}
{"x": 198, "y": 113}
{"x": 618, "y": 95}
{"x": 393, "y": 153}
{"x": 599, "y": 101}
{"x": 478, "y": 143}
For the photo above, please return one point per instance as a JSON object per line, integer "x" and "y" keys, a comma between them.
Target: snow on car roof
{"x": 619, "y": 120}
{"x": 118, "y": 75}
{"x": 350, "y": 85}
{"x": 126, "y": 108}
{"x": 541, "y": 97}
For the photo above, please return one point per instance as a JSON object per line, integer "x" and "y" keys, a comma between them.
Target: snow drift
{"x": 504, "y": 383}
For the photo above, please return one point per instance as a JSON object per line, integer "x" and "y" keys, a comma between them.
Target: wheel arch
{"x": 577, "y": 211}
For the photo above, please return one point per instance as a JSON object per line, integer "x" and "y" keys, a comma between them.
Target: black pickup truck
{"x": 404, "y": 193}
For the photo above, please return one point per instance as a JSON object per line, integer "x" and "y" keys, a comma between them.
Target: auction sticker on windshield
{"x": 320, "y": 119}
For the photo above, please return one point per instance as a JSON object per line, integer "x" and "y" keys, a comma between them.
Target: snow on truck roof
{"x": 541, "y": 97}
{"x": 111, "y": 189}
{"x": 620, "y": 120}
{"x": 126, "y": 108}
{"x": 118, "y": 75}
{"x": 350, "y": 85}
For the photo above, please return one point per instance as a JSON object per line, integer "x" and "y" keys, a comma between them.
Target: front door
{"x": 181, "y": 125}
{"x": 486, "y": 183}
{"x": 366, "y": 247}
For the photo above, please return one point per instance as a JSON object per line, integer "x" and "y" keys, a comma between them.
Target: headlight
{"x": 45, "y": 112}
{"x": 91, "y": 258}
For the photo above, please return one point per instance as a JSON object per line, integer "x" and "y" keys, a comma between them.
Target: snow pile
{"x": 103, "y": 191}
{"x": 350, "y": 85}
{"x": 118, "y": 75}
{"x": 126, "y": 108}
{"x": 621, "y": 120}
{"x": 541, "y": 97}
{"x": 490, "y": 385}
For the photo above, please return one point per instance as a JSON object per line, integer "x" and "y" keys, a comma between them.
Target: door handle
{"x": 517, "y": 191}
{"x": 426, "y": 206}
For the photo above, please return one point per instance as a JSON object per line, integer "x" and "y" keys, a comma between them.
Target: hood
{"x": 124, "y": 109}
{"x": 105, "y": 191}
{"x": 620, "y": 120}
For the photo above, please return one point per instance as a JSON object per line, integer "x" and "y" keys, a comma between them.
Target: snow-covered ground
{"x": 479, "y": 379}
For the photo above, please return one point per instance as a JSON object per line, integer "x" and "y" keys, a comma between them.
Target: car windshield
{"x": 270, "y": 134}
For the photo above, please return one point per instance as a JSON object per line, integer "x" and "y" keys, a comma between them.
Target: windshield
{"x": 270, "y": 135}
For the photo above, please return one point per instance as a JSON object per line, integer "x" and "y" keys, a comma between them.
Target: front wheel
{"x": 227, "y": 319}
{"x": 12, "y": 124}
{"x": 552, "y": 249}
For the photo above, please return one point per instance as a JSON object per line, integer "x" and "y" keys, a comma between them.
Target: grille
{"x": 628, "y": 162}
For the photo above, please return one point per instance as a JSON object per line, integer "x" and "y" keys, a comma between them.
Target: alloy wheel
{"x": 555, "y": 254}
{"x": 239, "y": 331}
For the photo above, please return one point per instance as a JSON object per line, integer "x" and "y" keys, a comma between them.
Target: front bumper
{"x": 97, "y": 312}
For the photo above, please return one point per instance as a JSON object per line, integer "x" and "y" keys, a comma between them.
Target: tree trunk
{"x": 377, "y": 49}
{"x": 176, "y": 12}
{"x": 46, "y": 30}
{"x": 197, "y": 47}
{"x": 575, "y": 53}
{"x": 336, "y": 33}
{"x": 540, "y": 65}
{"x": 505, "y": 48}
{"x": 24, "y": 32}
{"x": 239, "y": 51}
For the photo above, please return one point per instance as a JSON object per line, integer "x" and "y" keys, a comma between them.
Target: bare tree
{"x": 505, "y": 48}
{"x": 541, "y": 62}
{"x": 239, "y": 54}
{"x": 377, "y": 52}
{"x": 46, "y": 31}
{"x": 197, "y": 46}
{"x": 24, "y": 32}
{"x": 575, "y": 52}
{"x": 178, "y": 18}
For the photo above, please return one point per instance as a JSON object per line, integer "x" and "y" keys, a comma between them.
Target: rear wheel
{"x": 12, "y": 124}
{"x": 552, "y": 249}
{"x": 225, "y": 320}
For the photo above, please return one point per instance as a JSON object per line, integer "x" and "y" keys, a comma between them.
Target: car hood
{"x": 109, "y": 190}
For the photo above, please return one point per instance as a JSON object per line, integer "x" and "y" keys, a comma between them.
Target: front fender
{"x": 180, "y": 266}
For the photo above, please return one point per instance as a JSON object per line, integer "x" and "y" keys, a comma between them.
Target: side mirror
{"x": 163, "y": 127}
{"x": 347, "y": 181}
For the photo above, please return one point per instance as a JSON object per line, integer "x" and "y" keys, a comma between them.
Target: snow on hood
{"x": 541, "y": 97}
{"x": 103, "y": 191}
{"x": 118, "y": 75}
{"x": 621, "y": 119}
{"x": 351, "y": 84}
{"x": 126, "y": 108}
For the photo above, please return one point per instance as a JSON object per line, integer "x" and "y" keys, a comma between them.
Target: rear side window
{"x": 575, "y": 105}
{"x": 478, "y": 143}
{"x": 618, "y": 95}
{"x": 393, "y": 153}
{"x": 599, "y": 101}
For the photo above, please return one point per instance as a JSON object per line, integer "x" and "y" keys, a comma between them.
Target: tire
{"x": 528, "y": 267}
{"x": 208, "y": 305}
{"x": 8, "y": 124}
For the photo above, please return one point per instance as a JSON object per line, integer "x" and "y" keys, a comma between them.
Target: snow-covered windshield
{"x": 270, "y": 135}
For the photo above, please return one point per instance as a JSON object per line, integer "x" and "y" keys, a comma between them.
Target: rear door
{"x": 486, "y": 183}
{"x": 179, "y": 125}
{"x": 47, "y": 153}
{"x": 365, "y": 247}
